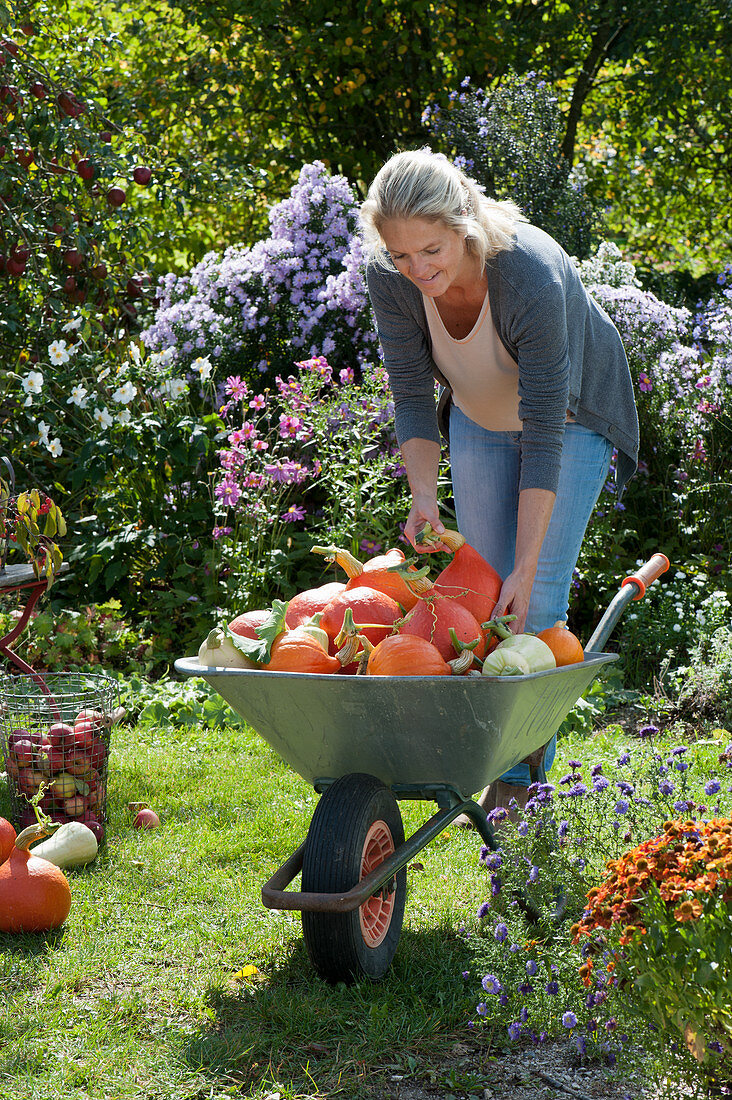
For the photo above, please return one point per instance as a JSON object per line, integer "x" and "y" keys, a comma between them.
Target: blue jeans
{"x": 485, "y": 469}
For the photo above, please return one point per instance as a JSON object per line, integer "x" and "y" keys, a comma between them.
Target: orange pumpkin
{"x": 34, "y": 894}
{"x": 299, "y": 650}
{"x": 406, "y": 655}
{"x": 432, "y": 618}
{"x": 7, "y": 839}
{"x": 373, "y": 612}
{"x": 306, "y": 604}
{"x": 245, "y": 625}
{"x": 468, "y": 578}
{"x": 566, "y": 646}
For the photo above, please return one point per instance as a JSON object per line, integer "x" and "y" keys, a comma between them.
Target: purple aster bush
{"x": 298, "y": 293}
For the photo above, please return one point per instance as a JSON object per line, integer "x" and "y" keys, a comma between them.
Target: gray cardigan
{"x": 569, "y": 354}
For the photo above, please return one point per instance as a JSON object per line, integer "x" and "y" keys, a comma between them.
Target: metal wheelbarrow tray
{"x": 365, "y": 741}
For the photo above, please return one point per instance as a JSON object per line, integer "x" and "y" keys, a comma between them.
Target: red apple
{"x": 146, "y": 819}
{"x": 100, "y": 271}
{"x": 73, "y": 258}
{"x": 88, "y": 715}
{"x": 105, "y": 135}
{"x": 69, "y": 105}
{"x": 23, "y": 751}
{"x": 92, "y": 822}
{"x": 24, "y": 157}
{"x": 86, "y": 169}
{"x": 40, "y": 91}
{"x": 142, "y": 175}
{"x": 75, "y": 806}
{"x": 59, "y": 732}
{"x": 116, "y": 196}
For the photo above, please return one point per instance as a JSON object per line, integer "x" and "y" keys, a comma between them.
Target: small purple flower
{"x": 624, "y": 758}
{"x": 712, "y": 787}
{"x": 666, "y": 787}
{"x": 484, "y": 909}
{"x": 514, "y": 1031}
{"x": 621, "y": 806}
{"x": 715, "y": 1046}
{"x": 523, "y": 829}
{"x": 596, "y": 769}
{"x": 600, "y": 783}
{"x": 482, "y": 1009}
{"x": 563, "y": 829}
{"x": 575, "y": 764}
{"x": 648, "y": 731}
{"x": 682, "y": 807}
{"x": 526, "y": 988}
{"x": 294, "y": 513}
{"x": 531, "y": 967}
{"x": 534, "y": 874}
{"x": 491, "y": 984}
{"x": 500, "y": 933}
{"x": 569, "y": 1020}
{"x": 679, "y": 750}
{"x": 524, "y": 1015}
{"x": 681, "y": 766}
{"x": 552, "y": 987}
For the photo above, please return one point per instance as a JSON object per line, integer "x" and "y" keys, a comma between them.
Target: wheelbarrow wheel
{"x": 356, "y": 825}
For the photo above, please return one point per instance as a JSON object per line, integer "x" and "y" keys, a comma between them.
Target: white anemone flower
{"x": 32, "y": 383}
{"x": 123, "y": 416}
{"x": 124, "y": 394}
{"x": 72, "y": 325}
{"x": 43, "y": 429}
{"x": 79, "y": 397}
{"x": 54, "y": 446}
{"x": 59, "y": 353}
{"x": 135, "y": 354}
{"x": 103, "y": 418}
{"x": 174, "y": 388}
{"x": 202, "y": 367}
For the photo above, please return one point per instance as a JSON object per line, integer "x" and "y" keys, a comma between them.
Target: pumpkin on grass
{"x": 34, "y": 894}
{"x": 7, "y": 839}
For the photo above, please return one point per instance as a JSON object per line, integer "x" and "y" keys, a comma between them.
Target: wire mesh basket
{"x": 55, "y": 733}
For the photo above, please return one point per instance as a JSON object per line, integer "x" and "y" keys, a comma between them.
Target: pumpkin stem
{"x": 347, "y": 639}
{"x": 368, "y": 649}
{"x": 416, "y": 579}
{"x": 453, "y": 540}
{"x": 461, "y": 664}
{"x": 352, "y": 566}
{"x": 25, "y": 838}
{"x": 498, "y": 626}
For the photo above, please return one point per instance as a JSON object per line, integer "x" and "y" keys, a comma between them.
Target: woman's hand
{"x": 514, "y": 600}
{"x": 423, "y": 510}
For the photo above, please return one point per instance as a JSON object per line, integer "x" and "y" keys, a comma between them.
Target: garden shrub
{"x": 78, "y": 185}
{"x": 509, "y": 139}
{"x": 299, "y": 292}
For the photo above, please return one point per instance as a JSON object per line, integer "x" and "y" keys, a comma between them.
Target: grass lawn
{"x": 141, "y": 993}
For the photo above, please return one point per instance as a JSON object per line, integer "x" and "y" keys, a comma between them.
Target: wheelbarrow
{"x": 365, "y": 742}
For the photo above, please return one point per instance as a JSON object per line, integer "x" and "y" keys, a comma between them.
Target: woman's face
{"x": 428, "y": 253}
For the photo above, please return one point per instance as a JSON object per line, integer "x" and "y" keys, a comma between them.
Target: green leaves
{"x": 260, "y": 650}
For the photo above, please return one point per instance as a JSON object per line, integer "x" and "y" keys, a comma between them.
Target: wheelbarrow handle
{"x": 632, "y": 588}
{"x": 647, "y": 574}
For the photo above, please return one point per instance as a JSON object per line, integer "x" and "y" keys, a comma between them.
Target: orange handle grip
{"x": 647, "y": 574}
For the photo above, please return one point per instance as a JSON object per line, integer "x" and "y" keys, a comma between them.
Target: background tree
{"x": 644, "y": 90}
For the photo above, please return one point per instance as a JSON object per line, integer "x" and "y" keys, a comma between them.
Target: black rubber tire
{"x": 332, "y": 864}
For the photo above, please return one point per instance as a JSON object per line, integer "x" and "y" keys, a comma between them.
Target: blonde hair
{"x": 423, "y": 184}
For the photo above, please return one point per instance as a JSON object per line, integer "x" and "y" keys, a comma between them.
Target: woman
{"x": 535, "y": 385}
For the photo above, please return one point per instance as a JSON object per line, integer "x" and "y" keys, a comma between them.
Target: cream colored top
{"x": 482, "y": 373}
